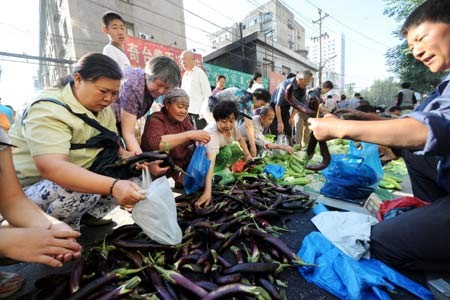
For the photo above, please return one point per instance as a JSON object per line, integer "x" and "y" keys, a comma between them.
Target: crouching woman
{"x": 223, "y": 132}
{"x": 52, "y": 158}
{"x": 170, "y": 130}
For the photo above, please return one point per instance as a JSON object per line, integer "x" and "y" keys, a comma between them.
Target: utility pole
{"x": 244, "y": 61}
{"x": 320, "y": 41}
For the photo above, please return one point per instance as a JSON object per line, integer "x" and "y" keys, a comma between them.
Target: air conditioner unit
{"x": 145, "y": 36}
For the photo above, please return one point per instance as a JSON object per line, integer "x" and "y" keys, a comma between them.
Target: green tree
{"x": 400, "y": 59}
{"x": 382, "y": 92}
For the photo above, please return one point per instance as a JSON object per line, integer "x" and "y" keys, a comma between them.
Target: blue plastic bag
{"x": 347, "y": 278}
{"x": 355, "y": 175}
{"x": 275, "y": 170}
{"x": 197, "y": 169}
{"x": 371, "y": 157}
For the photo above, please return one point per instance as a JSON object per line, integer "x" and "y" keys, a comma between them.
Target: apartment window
{"x": 267, "y": 17}
{"x": 290, "y": 41}
{"x": 285, "y": 70}
{"x": 289, "y": 24}
{"x": 130, "y": 28}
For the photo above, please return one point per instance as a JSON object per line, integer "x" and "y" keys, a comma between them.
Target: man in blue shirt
{"x": 283, "y": 121}
{"x": 418, "y": 239}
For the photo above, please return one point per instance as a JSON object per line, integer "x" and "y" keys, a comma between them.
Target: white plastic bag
{"x": 281, "y": 140}
{"x": 157, "y": 213}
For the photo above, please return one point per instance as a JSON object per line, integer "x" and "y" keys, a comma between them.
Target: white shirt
{"x": 218, "y": 140}
{"x": 255, "y": 86}
{"x": 196, "y": 85}
{"x": 118, "y": 55}
{"x": 260, "y": 140}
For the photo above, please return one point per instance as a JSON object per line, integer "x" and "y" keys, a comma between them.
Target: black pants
{"x": 285, "y": 115}
{"x": 417, "y": 240}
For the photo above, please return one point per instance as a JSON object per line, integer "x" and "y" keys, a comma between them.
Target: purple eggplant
{"x": 270, "y": 288}
{"x": 261, "y": 268}
{"x": 237, "y": 289}
{"x": 158, "y": 283}
{"x": 181, "y": 281}
{"x": 276, "y": 243}
{"x": 114, "y": 275}
{"x": 122, "y": 290}
{"x": 76, "y": 275}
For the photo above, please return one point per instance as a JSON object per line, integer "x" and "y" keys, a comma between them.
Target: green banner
{"x": 234, "y": 78}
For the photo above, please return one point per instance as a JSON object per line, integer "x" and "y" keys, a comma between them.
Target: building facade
{"x": 267, "y": 39}
{"x": 71, "y": 28}
{"x": 333, "y": 57}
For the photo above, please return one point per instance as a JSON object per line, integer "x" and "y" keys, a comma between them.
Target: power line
{"x": 349, "y": 27}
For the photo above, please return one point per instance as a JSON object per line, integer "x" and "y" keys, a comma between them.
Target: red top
{"x": 159, "y": 124}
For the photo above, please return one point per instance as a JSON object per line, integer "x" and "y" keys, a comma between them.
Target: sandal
{"x": 10, "y": 283}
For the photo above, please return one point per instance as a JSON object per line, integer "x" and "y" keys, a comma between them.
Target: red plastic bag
{"x": 406, "y": 201}
{"x": 238, "y": 166}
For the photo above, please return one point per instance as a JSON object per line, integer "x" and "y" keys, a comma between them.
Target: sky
{"x": 19, "y": 27}
{"x": 368, "y": 33}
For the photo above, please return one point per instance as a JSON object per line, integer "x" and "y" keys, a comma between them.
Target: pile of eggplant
{"x": 230, "y": 250}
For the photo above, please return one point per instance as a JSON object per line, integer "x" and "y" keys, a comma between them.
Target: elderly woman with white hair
{"x": 170, "y": 130}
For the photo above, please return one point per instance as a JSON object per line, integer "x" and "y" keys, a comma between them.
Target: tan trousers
{"x": 302, "y": 133}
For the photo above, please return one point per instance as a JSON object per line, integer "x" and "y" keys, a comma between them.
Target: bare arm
{"x": 35, "y": 236}
{"x": 243, "y": 144}
{"x": 205, "y": 198}
{"x": 57, "y": 168}
{"x": 402, "y": 133}
{"x": 280, "y": 125}
{"x": 128, "y": 124}
{"x": 251, "y": 136}
{"x": 175, "y": 140}
{"x": 14, "y": 206}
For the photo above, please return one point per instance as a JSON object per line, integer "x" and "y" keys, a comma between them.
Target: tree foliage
{"x": 382, "y": 92}
{"x": 400, "y": 59}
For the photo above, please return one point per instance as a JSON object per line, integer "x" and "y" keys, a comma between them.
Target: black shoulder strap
{"x": 91, "y": 122}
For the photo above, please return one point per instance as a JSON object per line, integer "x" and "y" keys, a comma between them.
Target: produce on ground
{"x": 229, "y": 249}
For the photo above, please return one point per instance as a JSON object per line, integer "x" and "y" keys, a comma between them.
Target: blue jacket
{"x": 434, "y": 112}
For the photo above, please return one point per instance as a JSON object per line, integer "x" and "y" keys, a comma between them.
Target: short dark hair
{"x": 266, "y": 111}
{"x": 434, "y": 11}
{"x": 224, "y": 109}
{"x": 110, "y": 16}
{"x": 220, "y": 77}
{"x": 328, "y": 85}
{"x": 343, "y": 97}
{"x": 91, "y": 67}
{"x": 357, "y": 95}
{"x": 262, "y": 94}
{"x": 406, "y": 85}
{"x": 290, "y": 75}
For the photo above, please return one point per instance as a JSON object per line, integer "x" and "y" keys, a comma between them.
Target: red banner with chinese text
{"x": 141, "y": 51}
{"x": 275, "y": 79}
